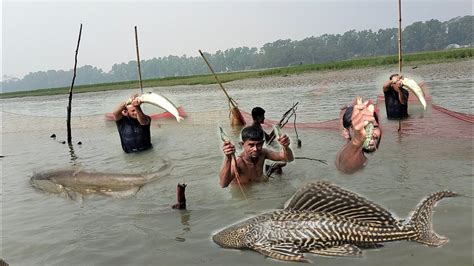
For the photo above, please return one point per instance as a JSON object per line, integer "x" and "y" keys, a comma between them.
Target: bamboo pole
{"x": 218, "y": 81}
{"x": 69, "y": 137}
{"x": 399, "y": 50}
{"x": 138, "y": 61}
{"x": 400, "y": 36}
{"x": 236, "y": 118}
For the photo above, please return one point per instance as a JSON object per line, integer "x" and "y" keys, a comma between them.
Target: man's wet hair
{"x": 393, "y": 75}
{"x": 253, "y": 133}
{"x": 347, "y": 117}
{"x": 257, "y": 112}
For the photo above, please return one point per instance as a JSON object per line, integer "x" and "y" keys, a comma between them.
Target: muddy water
{"x": 43, "y": 229}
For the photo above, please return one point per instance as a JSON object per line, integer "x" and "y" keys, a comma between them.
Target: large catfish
{"x": 327, "y": 220}
{"x": 71, "y": 182}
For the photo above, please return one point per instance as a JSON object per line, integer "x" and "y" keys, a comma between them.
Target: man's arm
{"x": 285, "y": 154}
{"x": 143, "y": 119}
{"x": 350, "y": 157}
{"x": 387, "y": 85}
{"x": 226, "y": 174}
{"x": 117, "y": 113}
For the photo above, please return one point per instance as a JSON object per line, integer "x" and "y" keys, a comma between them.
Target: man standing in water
{"x": 353, "y": 119}
{"x": 258, "y": 116}
{"x": 250, "y": 162}
{"x": 133, "y": 126}
{"x": 396, "y": 98}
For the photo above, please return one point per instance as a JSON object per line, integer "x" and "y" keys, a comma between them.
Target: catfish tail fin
{"x": 421, "y": 220}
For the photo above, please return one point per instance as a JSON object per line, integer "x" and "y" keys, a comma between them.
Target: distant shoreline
{"x": 409, "y": 60}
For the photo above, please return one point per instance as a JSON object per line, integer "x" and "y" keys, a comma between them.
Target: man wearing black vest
{"x": 133, "y": 126}
{"x": 396, "y": 98}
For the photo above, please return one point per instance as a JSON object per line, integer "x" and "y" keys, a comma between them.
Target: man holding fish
{"x": 248, "y": 165}
{"x": 361, "y": 130}
{"x": 133, "y": 125}
{"x": 396, "y": 97}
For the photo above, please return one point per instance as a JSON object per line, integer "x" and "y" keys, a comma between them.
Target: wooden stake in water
{"x": 68, "y": 123}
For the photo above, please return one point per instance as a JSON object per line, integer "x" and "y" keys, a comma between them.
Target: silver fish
{"x": 324, "y": 219}
{"x": 411, "y": 85}
{"x": 76, "y": 183}
{"x": 160, "y": 101}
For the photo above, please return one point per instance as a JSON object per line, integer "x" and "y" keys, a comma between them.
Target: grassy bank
{"x": 409, "y": 59}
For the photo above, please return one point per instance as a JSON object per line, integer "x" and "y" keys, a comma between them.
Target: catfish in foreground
{"x": 326, "y": 220}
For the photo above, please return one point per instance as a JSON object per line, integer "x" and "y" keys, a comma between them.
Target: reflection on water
{"x": 143, "y": 229}
{"x": 185, "y": 216}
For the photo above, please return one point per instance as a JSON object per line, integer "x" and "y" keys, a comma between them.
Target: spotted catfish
{"x": 324, "y": 219}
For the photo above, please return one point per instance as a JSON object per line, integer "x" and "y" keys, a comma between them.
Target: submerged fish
{"x": 411, "y": 85}
{"x": 162, "y": 102}
{"x": 73, "y": 183}
{"x": 327, "y": 220}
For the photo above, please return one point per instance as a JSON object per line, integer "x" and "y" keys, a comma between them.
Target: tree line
{"x": 420, "y": 36}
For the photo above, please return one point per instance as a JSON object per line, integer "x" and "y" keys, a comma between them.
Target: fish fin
{"x": 282, "y": 251}
{"x": 73, "y": 195}
{"x": 324, "y": 197}
{"x": 122, "y": 193}
{"x": 421, "y": 220}
{"x": 179, "y": 119}
{"x": 345, "y": 250}
{"x": 370, "y": 246}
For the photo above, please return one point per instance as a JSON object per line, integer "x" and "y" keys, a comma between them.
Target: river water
{"x": 45, "y": 229}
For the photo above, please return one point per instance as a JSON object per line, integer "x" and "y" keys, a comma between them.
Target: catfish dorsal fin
{"x": 324, "y": 197}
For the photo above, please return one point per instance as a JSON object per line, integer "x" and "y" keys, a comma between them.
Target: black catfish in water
{"x": 324, "y": 219}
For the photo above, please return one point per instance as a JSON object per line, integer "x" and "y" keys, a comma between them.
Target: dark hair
{"x": 257, "y": 112}
{"x": 393, "y": 75}
{"x": 254, "y": 133}
{"x": 347, "y": 117}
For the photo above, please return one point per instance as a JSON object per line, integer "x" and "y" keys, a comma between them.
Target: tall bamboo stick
{"x": 138, "y": 61}
{"x": 232, "y": 102}
{"x": 400, "y": 36}
{"x": 69, "y": 138}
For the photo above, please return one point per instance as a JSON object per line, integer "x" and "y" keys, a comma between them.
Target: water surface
{"x": 43, "y": 229}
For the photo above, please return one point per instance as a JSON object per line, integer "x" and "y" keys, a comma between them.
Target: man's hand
{"x": 135, "y": 101}
{"x": 228, "y": 148}
{"x": 284, "y": 141}
{"x": 362, "y": 114}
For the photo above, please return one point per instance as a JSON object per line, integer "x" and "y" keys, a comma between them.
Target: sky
{"x": 42, "y": 35}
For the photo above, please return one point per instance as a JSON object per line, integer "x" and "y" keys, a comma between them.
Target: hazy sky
{"x": 42, "y": 35}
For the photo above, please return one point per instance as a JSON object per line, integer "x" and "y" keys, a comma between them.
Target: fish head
{"x": 235, "y": 236}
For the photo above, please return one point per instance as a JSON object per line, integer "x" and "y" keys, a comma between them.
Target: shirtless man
{"x": 353, "y": 119}
{"x": 250, "y": 161}
{"x": 258, "y": 116}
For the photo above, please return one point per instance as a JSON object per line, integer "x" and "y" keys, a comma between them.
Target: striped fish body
{"x": 314, "y": 230}
{"x": 324, "y": 219}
